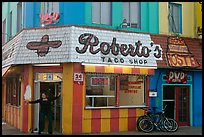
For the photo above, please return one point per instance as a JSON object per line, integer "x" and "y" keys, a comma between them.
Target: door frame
{"x": 190, "y": 98}
{"x": 37, "y": 106}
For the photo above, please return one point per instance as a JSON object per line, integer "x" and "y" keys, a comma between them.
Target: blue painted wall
{"x": 79, "y": 13}
{"x": 195, "y": 87}
{"x": 197, "y": 97}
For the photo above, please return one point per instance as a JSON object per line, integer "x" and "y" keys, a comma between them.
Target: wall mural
{"x": 42, "y": 47}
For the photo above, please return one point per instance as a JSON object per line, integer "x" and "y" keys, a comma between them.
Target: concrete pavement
{"x": 10, "y": 130}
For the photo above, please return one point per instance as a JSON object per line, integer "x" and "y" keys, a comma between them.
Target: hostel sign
{"x": 178, "y": 54}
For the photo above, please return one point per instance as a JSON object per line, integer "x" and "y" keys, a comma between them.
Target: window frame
{"x": 100, "y": 14}
{"x": 19, "y": 16}
{"x": 117, "y": 93}
{"x": 129, "y": 22}
{"x": 180, "y": 17}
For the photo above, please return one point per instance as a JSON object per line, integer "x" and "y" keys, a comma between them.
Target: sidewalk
{"x": 10, "y": 130}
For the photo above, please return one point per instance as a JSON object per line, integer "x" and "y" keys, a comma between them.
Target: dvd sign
{"x": 176, "y": 77}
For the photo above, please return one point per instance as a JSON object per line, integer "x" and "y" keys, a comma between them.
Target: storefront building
{"x": 103, "y": 76}
{"x": 178, "y": 79}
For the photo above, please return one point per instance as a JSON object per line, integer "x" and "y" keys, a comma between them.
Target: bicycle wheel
{"x": 146, "y": 125}
{"x": 138, "y": 120}
{"x": 170, "y": 125}
{"x": 161, "y": 125}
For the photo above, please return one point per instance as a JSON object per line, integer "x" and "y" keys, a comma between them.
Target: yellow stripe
{"x": 89, "y": 68}
{"x": 139, "y": 112}
{"x": 86, "y": 119}
{"x": 109, "y": 69}
{"x": 105, "y": 120}
{"x": 123, "y": 120}
{"x": 127, "y": 70}
{"x": 143, "y": 70}
{"x": 86, "y": 126}
{"x": 30, "y": 82}
{"x": 67, "y": 89}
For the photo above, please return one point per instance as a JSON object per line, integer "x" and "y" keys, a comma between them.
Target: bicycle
{"x": 152, "y": 120}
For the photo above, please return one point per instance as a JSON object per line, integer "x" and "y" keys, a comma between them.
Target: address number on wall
{"x": 78, "y": 77}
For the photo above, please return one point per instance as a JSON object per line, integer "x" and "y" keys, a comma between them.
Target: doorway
{"x": 52, "y": 89}
{"x": 177, "y": 100}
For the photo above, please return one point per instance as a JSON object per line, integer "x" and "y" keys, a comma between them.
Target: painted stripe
{"x": 30, "y": 80}
{"x": 122, "y": 70}
{"x": 147, "y": 90}
{"x": 77, "y": 103}
{"x": 139, "y": 112}
{"x": 96, "y": 121}
{"x": 87, "y": 121}
{"x": 131, "y": 119}
{"x": 89, "y": 68}
{"x": 118, "y": 70}
{"x": 109, "y": 69}
{"x": 114, "y": 121}
{"x": 99, "y": 69}
{"x": 135, "y": 71}
{"x": 123, "y": 121}
{"x": 67, "y": 88}
{"x": 25, "y": 106}
{"x": 105, "y": 120}
{"x": 127, "y": 70}
{"x": 143, "y": 70}
{"x": 150, "y": 71}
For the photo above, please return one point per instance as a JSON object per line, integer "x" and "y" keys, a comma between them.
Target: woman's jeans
{"x": 42, "y": 121}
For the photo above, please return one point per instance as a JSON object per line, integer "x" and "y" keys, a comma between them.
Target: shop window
{"x": 132, "y": 90}
{"x": 19, "y": 16}
{"x": 131, "y": 12}
{"x": 102, "y": 90}
{"x": 13, "y": 91}
{"x": 174, "y": 18}
{"x": 49, "y": 7}
{"x": 101, "y": 13}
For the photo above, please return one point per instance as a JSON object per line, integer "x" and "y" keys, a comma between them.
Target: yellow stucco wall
{"x": 188, "y": 18}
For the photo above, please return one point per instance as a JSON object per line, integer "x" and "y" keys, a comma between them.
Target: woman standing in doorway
{"x": 45, "y": 110}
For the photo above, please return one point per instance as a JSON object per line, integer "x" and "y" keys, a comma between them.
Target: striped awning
{"x": 4, "y": 70}
{"x": 121, "y": 70}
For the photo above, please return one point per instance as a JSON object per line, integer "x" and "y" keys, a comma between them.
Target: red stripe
{"x": 25, "y": 106}
{"x": 131, "y": 119}
{"x": 100, "y": 68}
{"x": 150, "y": 71}
{"x": 118, "y": 70}
{"x": 48, "y": 69}
{"x": 77, "y": 102}
{"x": 114, "y": 121}
{"x": 147, "y": 91}
{"x": 135, "y": 71}
{"x": 96, "y": 121}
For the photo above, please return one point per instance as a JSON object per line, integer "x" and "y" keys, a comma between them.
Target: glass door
{"x": 182, "y": 105}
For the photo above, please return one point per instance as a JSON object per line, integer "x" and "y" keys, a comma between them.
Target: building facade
{"x": 104, "y": 61}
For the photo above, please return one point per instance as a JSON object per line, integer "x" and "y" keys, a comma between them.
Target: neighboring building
{"x": 104, "y": 60}
{"x": 183, "y": 56}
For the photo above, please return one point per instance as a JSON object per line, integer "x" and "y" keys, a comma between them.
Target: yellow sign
{"x": 199, "y": 18}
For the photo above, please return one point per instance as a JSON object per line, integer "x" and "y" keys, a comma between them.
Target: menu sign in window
{"x": 99, "y": 81}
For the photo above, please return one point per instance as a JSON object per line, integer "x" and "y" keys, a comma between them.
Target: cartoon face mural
{"x": 42, "y": 47}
